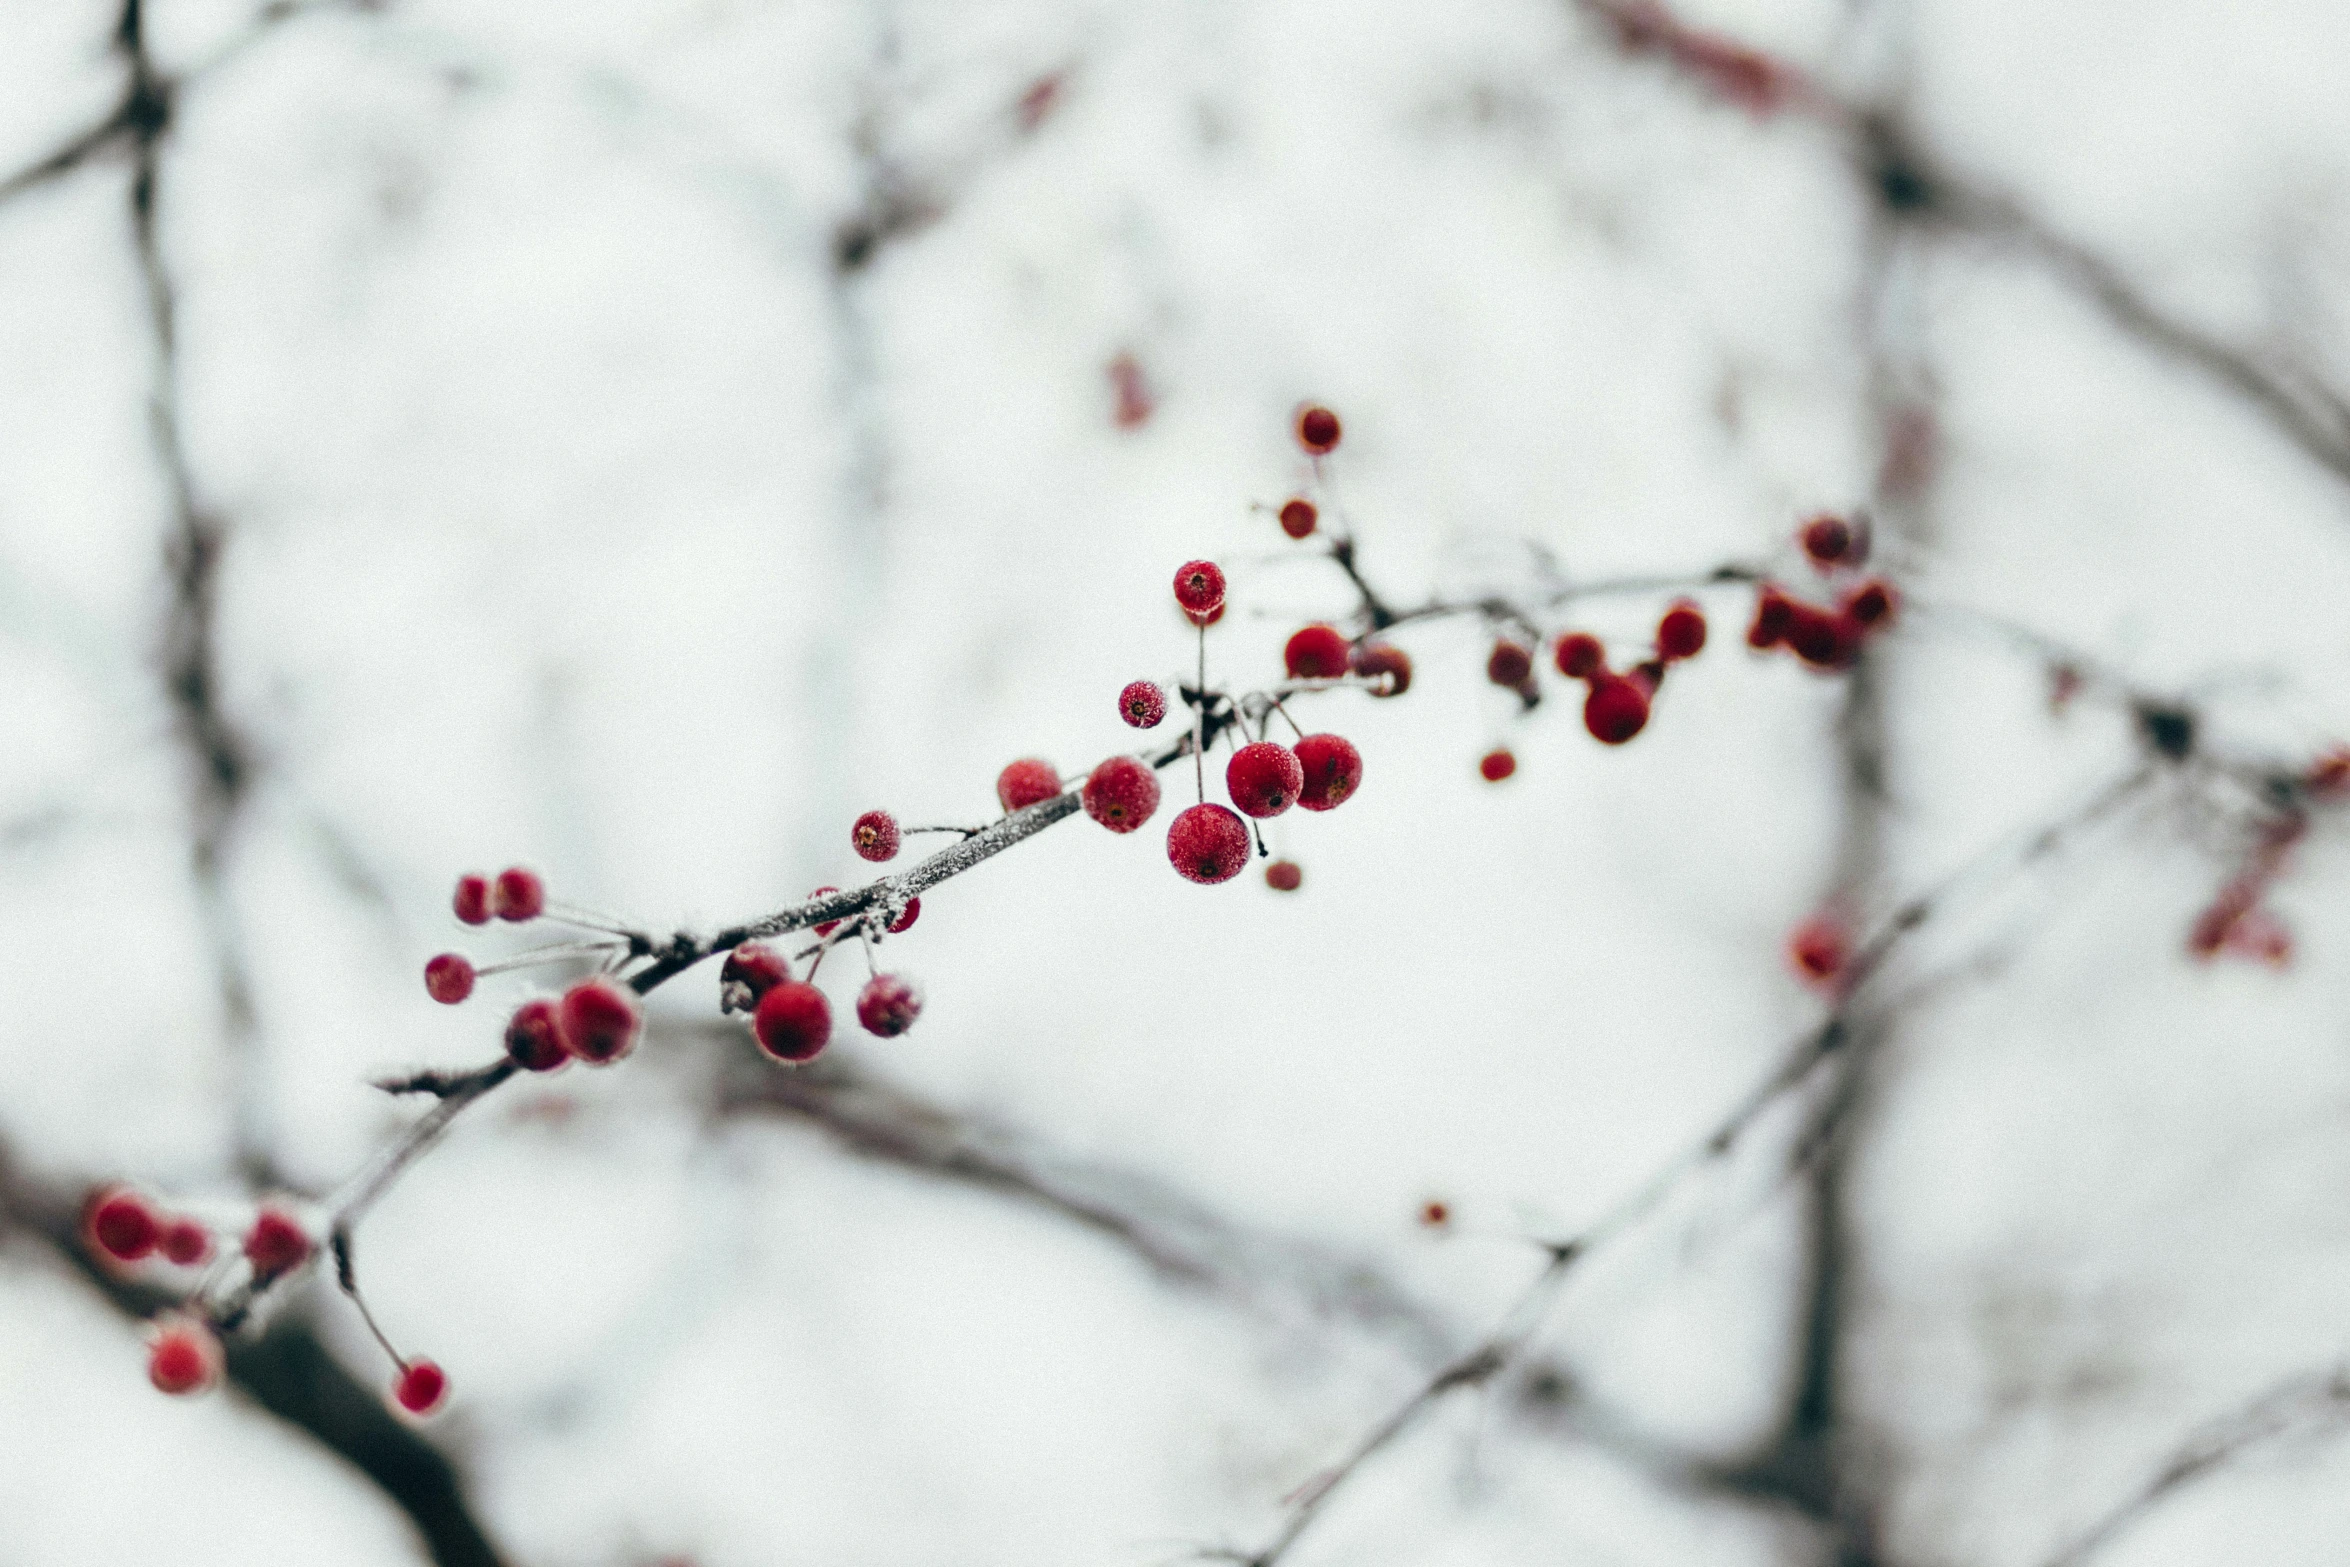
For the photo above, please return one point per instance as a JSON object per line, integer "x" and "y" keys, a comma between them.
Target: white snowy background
{"x": 582, "y": 509}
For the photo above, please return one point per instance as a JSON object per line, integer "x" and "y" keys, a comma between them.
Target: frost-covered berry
{"x": 183, "y": 1356}
{"x": 1872, "y": 603}
{"x": 755, "y": 966}
{"x": 1298, "y": 518}
{"x": 1207, "y": 844}
{"x": 1496, "y": 764}
{"x": 1681, "y": 633}
{"x": 276, "y": 1245}
{"x": 829, "y": 926}
{"x": 121, "y": 1225}
{"x": 1820, "y": 951}
{"x": 1827, "y": 540}
{"x": 1579, "y": 653}
{"x": 600, "y": 1020}
{"x": 185, "y": 1242}
{"x": 1317, "y": 429}
{"x": 1772, "y": 612}
{"x": 793, "y": 1022}
{"x": 448, "y": 978}
{"x": 874, "y": 836}
{"x": 1199, "y": 587}
{"x": 1387, "y": 667}
{"x": 534, "y": 1036}
{"x": 472, "y": 902}
{"x": 1264, "y": 779}
{"x": 1142, "y": 704}
{"x": 1616, "y": 709}
{"x": 905, "y": 920}
{"x": 421, "y": 1387}
{"x": 1209, "y": 618}
{"x": 1121, "y": 794}
{"x": 888, "y": 1005}
{"x": 1510, "y": 664}
{"x": 518, "y": 895}
{"x": 1284, "y": 876}
{"x": 1316, "y": 652}
{"x": 1333, "y": 769}
{"x": 1025, "y": 782}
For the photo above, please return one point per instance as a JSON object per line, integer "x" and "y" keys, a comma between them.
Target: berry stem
{"x": 553, "y": 954}
{"x": 1199, "y": 718}
{"x": 347, "y": 1276}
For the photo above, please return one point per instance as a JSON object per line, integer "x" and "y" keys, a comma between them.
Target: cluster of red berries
{"x": 792, "y": 1019}
{"x": 1826, "y": 636}
{"x": 1616, "y": 704}
{"x": 122, "y": 1225}
{"x": 596, "y": 1021}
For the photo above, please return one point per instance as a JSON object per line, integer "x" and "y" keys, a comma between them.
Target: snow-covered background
{"x": 642, "y": 434}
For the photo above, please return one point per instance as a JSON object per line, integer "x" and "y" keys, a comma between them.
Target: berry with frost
{"x": 874, "y": 836}
{"x": 1284, "y": 876}
{"x": 1199, "y": 588}
{"x": 448, "y": 978}
{"x": 1316, "y": 652}
{"x": 1207, "y": 844}
{"x": 1333, "y": 769}
{"x": 1121, "y": 794}
{"x": 534, "y": 1036}
{"x": 793, "y": 1022}
{"x": 600, "y": 1020}
{"x": 757, "y": 967}
{"x": 472, "y": 902}
{"x": 829, "y": 926}
{"x": 1387, "y": 667}
{"x": 888, "y": 1005}
{"x": 906, "y": 920}
{"x": 1142, "y": 704}
{"x": 518, "y": 895}
{"x": 1025, "y": 782}
{"x": 1264, "y": 778}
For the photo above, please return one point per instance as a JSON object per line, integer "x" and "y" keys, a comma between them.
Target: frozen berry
{"x": 1025, "y": 782}
{"x": 1207, "y": 844}
{"x": 1872, "y": 603}
{"x": 755, "y": 966}
{"x": 518, "y": 895}
{"x": 888, "y": 1005}
{"x": 185, "y": 1242}
{"x": 1616, "y": 709}
{"x": 906, "y": 920}
{"x": 1827, "y": 540}
{"x": 1298, "y": 518}
{"x": 1820, "y": 952}
{"x": 874, "y": 836}
{"x": 600, "y": 1020}
{"x": 1317, "y": 652}
{"x": 472, "y": 902}
{"x": 829, "y": 926}
{"x": 421, "y": 1387}
{"x": 1772, "y": 612}
{"x": 1387, "y": 667}
{"x": 793, "y": 1022}
{"x": 1510, "y": 664}
{"x": 123, "y": 1226}
{"x": 1497, "y": 764}
{"x": 1142, "y": 704}
{"x": 275, "y": 1245}
{"x": 1199, "y": 587}
{"x": 1317, "y": 429}
{"x": 534, "y": 1036}
{"x": 1264, "y": 779}
{"x": 1681, "y": 633}
{"x": 1284, "y": 876}
{"x": 1579, "y": 653}
{"x": 1121, "y": 794}
{"x": 1207, "y": 618}
{"x": 448, "y": 978}
{"x": 183, "y": 1356}
{"x": 1332, "y": 767}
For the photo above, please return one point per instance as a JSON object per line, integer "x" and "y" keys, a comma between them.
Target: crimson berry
{"x": 1827, "y": 540}
{"x": 875, "y": 836}
{"x": 1616, "y": 709}
{"x": 1332, "y": 767}
{"x": 829, "y": 926}
{"x": 755, "y": 966}
{"x": 421, "y": 1387}
{"x": 1317, "y": 430}
{"x": 1317, "y": 652}
{"x": 1199, "y": 587}
{"x": 1820, "y": 950}
{"x": 913, "y": 913}
{"x": 185, "y": 1242}
{"x": 518, "y": 895}
{"x": 793, "y": 1022}
{"x": 1820, "y": 639}
{"x": 888, "y": 1005}
{"x": 1386, "y": 666}
{"x": 1681, "y": 634}
{"x": 1264, "y": 779}
{"x": 123, "y": 1226}
{"x": 1497, "y": 764}
{"x": 1510, "y": 664}
{"x": 1434, "y": 1214}
{"x": 1142, "y": 704}
{"x": 1284, "y": 876}
{"x": 275, "y": 1245}
{"x": 1773, "y": 612}
{"x": 534, "y": 1036}
{"x": 472, "y": 901}
{"x": 1025, "y": 782}
{"x": 1872, "y": 603}
{"x": 183, "y": 1357}
{"x": 1207, "y": 844}
{"x": 448, "y": 978}
{"x": 1579, "y": 653}
{"x": 600, "y": 1020}
{"x": 1121, "y": 794}
{"x": 1208, "y": 619}
{"x": 1298, "y": 518}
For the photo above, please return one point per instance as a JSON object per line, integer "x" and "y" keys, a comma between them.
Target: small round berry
{"x": 420, "y": 1388}
{"x": 1333, "y": 769}
{"x": 185, "y": 1242}
{"x": 1820, "y": 639}
{"x": 1820, "y": 951}
{"x": 1142, "y": 704}
{"x": 1284, "y": 876}
{"x": 793, "y": 1022}
{"x": 1510, "y": 664}
{"x": 448, "y": 978}
{"x": 1386, "y": 666}
{"x": 534, "y": 1036}
{"x": 888, "y": 1005}
{"x": 1298, "y": 518}
{"x": 1579, "y": 653}
{"x": 1264, "y": 779}
{"x": 600, "y": 1020}
{"x": 1496, "y": 764}
{"x": 1199, "y": 587}
{"x": 1205, "y": 620}
{"x": 183, "y": 1356}
{"x": 472, "y": 902}
{"x": 1872, "y": 603}
{"x": 1025, "y": 782}
{"x": 1121, "y": 794}
{"x": 275, "y": 1245}
{"x": 121, "y": 1225}
{"x": 875, "y": 836}
{"x": 906, "y": 920}
{"x": 1207, "y": 844}
{"x": 755, "y": 966}
{"x": 1773, "y": 612}
{"x": 829, "y": 926}
{"x": 1317, "y": 429}
{"x": 1435, "y": 1214}
{"x": 1616, "y": 710}
{"x": 518, "y": 895}
{"x": 1317, "y": 652}
{"x": 1681, "y": 633}
{"x": 1827, "y": 540}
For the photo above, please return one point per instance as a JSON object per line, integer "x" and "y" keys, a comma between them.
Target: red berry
{"x": 1199, "y": 587}
{"x": 421, "y": 1387}
{"x": 1826, "y": 540}
{"x": 1579, "y": 653}
{"x": 600, "y": 1020}
{"x": 1333, "y": 769}
{"x": 1025, "y": 782}
{"x": 1284, "y": 876}
{"x": 1208, "y": 619}
{"x": 1681, "y": 634}
{"x": 755, "y": 966}
{"x": 1434, "y": 1214}
{"x": 1121, "y": 794}
{"x": 1386, "y": 666}
{"x": 275, "y": 1245}
{"x": 1510, "y": 664}
{"x": 1264, "y": 779}
{"x": 829, "y": 926}
{"x": 1298, "y": 518}
{"x": 1317, "y": 429}
{"x": 448, "y": 978}
{"x": 185, "y": 1242}
{"x": 1616, "y": 710}
{"x": 793, "y": 1022}
{"x": 1872, "y": 603}
{"x": 1207, "y": 844}
{"x": 519, "y": 895}
{"x": 1142, "y": 704}
{"x": 472, "y": 902}
{"x": 913, "y": 913}
{"x": 183, "y": 1356}
{"x": 1820, "y": 950}
{"x": 534, "y": 1037}
{"x": 1773, "y": 611}
{"x": 875, "y": 836}
{"x": 1820, "y": 639}
{"x": 1497, "y": 764}
{"x": 1318, "y": 652}
{"x": 122, "y": 1225}
{"x": 888, "y": 1005}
